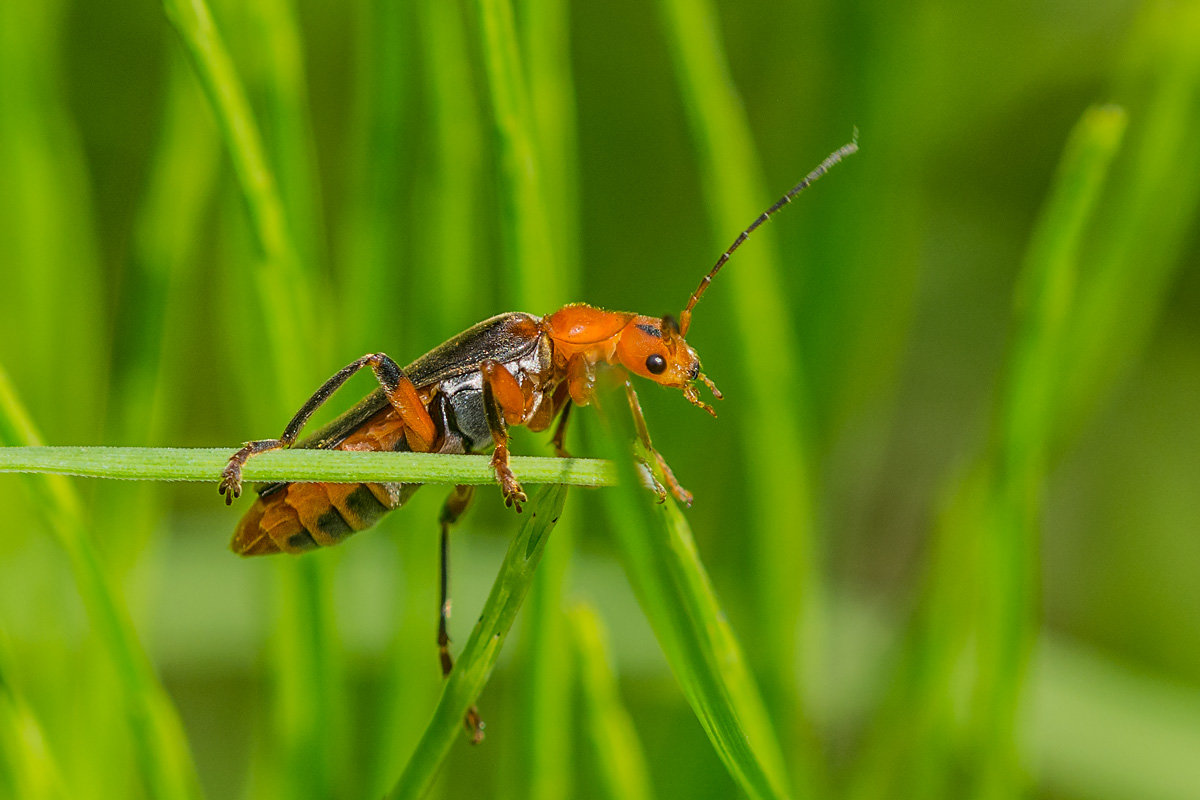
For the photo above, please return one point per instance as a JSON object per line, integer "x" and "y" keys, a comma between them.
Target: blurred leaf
{"x": 620, "y": 761}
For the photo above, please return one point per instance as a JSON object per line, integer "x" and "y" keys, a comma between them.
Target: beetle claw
{"x": 231, "y": 482}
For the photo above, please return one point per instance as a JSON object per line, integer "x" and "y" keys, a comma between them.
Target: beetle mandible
{"x": 462, "y": 397}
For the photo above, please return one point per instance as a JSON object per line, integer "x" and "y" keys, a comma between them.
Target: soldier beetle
{"x": 462, "y": 397}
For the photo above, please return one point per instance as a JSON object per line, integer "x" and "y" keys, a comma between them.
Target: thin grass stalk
{"x": 290, "y": 141}
{"x": 283, "y": 291}
{"x": 454, "y": 183}
{"x": 530, "y": 266}
{"x": 371, "y": 233}
{"x": 781, "y": 518}
{"x": 475, "y": 664}
{"x": 1136, "y": 253}
{"x": 1017, "y": 465}
{"x": 674, "y": 591}
{"x": 334, "y": 466}
{"x": 620, "y": 761}
{"x": 163, "y": 757}
{"x": 546, "y": 751}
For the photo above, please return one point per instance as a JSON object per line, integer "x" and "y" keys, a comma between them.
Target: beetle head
{"x": 655, "y": 349}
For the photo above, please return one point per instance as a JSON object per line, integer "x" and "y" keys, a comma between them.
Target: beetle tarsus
{"x": 474, "y": 725}
{"x": 231, "y": 480}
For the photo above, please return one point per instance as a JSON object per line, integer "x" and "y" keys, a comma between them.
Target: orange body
{"x": 575, "y": 340}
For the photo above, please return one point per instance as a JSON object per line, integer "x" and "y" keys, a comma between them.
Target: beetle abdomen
{"x": 301, "y": 516}
{"x": 295, "y": 517}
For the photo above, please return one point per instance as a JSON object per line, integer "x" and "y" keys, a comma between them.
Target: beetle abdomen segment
{"x": 302, "y": 516}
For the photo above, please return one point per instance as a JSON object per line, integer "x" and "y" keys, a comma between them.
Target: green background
{"x": 949, "y": 504}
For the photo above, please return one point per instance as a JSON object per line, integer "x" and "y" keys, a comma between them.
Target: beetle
{"x": 462, "y": 397}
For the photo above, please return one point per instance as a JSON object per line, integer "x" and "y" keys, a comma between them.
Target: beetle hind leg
{"x": 231, "y": 476}
{"x": 456, "y": 504}
{"x": 419, "y": 427}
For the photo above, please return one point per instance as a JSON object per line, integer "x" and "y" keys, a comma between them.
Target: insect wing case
{"x": 508, "y": 338}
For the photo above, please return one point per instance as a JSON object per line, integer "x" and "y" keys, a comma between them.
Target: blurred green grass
{"x": 144, "y": 307}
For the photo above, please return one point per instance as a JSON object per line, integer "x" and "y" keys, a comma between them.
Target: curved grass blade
{"x": 674, "y": 590}
{"x": 781, "y": 523}
{"x": 474, "y": 665}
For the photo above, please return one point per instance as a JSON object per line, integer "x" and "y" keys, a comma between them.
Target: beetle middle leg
{"x": 455, "y": 505}
{"x": 558, "y": 442}
{"x": 397, "y": 387}
{"x": 504, "y": 405}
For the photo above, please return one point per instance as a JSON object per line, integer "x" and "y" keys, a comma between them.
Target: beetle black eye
{"x": 656, "y": 364}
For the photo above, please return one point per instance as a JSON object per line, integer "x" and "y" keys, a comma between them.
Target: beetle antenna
{"x": 685, "y": 319}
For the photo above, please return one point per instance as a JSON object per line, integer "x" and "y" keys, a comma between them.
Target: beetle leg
{"x": 397, "y": 387}
{"x": 560, "y": 431}
{"x": 455, "y": 505}
{"x": 639, "y": 421}
{"x": 503, "y": 403}
{"x": 581, "y": 379}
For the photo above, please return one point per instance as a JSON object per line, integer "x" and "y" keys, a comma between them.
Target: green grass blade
{"x": 780, "y": 509}
{"x": 164, "y": 759}
{"x": 675, "y": 593}
{"x": 1009, "y": 527}
{"x": 371, "y": 230}
{"x": 279, "y": 280}
{"x": 620, "y": 761}
{"x": 474, "y": 665}
{"x": 205, "y": 464}
{"x": 454, "y": 185}
{"x": 1140, "y": 246}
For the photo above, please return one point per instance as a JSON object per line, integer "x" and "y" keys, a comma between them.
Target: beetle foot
{"x": 231, "y": 479}
{"x": 509, "y": 485}
{"x": 513, "y": 494}
{"x": 474, "y": 725}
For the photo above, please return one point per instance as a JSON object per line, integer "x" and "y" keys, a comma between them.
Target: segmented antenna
{"x": 685, "y": 319}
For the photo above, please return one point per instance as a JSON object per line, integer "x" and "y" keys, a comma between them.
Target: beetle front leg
{"x": 639, "y": 421}
{"x": 397, "y": 387}
{"x": 504, "y": 405}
